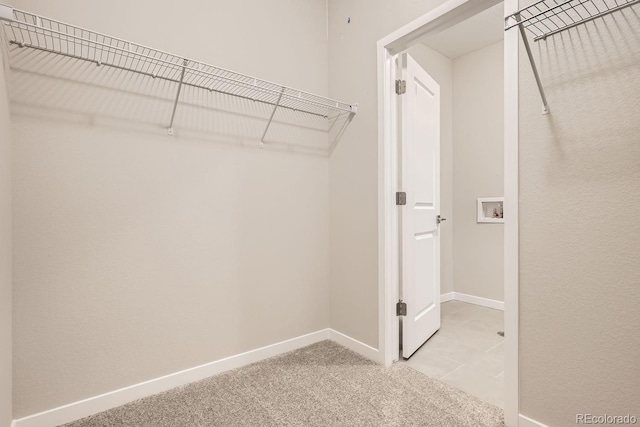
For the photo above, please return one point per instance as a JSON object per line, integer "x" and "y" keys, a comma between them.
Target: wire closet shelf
{"x": 548, "y": 17}
{"x": 25, "y": 29}
{"x": 544, "y": 18}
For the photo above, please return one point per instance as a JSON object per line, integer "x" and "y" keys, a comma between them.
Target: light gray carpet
{"x": 323, "y": 384}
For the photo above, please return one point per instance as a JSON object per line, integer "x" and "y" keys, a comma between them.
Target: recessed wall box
{"x": 490, "y": 209}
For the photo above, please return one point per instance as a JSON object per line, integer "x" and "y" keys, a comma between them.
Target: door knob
{"x": 439, "y": 219}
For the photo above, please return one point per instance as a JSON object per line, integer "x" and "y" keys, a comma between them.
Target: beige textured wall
{"x": 5, "y": 253}
{"x": 478, "y": 171}
{"x": 580, "y": 223}
{"x": 138, "y": 254}
{"x": 354, "y": 162}
{"x": 440, "y": 68}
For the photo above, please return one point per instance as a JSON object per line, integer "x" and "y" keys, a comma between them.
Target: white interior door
{"x": 419, "y": 219}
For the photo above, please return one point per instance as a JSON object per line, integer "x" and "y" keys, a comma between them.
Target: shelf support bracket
{"x": 275, "y": 107}
{"x": 175, "y": 103}
{"x": 545, "y": 106}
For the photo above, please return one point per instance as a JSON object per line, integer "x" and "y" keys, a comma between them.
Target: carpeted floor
{"x": 323, "y": 384}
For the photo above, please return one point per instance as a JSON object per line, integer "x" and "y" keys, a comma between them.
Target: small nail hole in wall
{"x": 349, "y": 20}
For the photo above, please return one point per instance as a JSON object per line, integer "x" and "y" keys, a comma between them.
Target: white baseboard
{"x": 355, "y": 345}
{"x": 525, "y": 421}
{"x": 83, "y": 408}
{"x": 472, "y": 299}
{"x": 93, "y": 405}
{"x": 449, "y": 296}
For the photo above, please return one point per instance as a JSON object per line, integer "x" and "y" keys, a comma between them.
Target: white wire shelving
{"x": 545, "y": 18}
{"x": 32, "y": 31}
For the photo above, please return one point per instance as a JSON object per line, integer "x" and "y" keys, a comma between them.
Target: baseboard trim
{"x": 84, "y": 408}
{"x": 525, "y": 421}
{"x": 484, "y": 302}
{"x": 355, "y": 345}
{"x": 449, "y": 296}
{"x": 93, "y": 405}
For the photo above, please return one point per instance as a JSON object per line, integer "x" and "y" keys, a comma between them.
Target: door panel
{"x": 420, "y": 179}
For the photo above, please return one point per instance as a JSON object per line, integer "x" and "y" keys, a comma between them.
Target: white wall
{"x": 138, "y": 254}
{"x": 440, "y": 68}
{"x": 5, "y": 253}
{"x": 580, "y": 223}
{"x": 478, "y": 171}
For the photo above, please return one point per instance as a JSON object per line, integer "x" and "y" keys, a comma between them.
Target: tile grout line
{"x": 447, "y": 357}
{"x": 501, "y": 342}
{"x": 445, "y": 335}
{"x": 444, "y": 376}
{"x": 464, "y": 344}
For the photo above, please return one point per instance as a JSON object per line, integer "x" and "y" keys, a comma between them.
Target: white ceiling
{"x": 483, "y": 29}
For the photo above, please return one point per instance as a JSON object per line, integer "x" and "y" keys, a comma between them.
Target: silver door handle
{"x": 439, "y": 219}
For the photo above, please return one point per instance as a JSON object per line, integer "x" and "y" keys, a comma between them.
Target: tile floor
{"x": 467, "y": 351}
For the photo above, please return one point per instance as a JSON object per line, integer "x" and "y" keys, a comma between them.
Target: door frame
{"x": 442, "y": 17}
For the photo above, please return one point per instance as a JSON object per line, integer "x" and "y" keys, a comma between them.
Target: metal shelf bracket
{"x": 273, "y": 112}
{"x": 545, "y": 104}
{"x": 175, "y": 103}
{"x": 544, "y": 18}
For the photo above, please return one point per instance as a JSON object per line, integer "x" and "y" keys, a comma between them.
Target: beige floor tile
{"x": 485, "y": 324}
{"x": 493, "y": 315}
{"x": 452, "y": 306}
{"x": 480, "y": 310}
{"x": 472, "y": 313}
{"x": 466, "y": 333}
{"x": 432, "y": 364}
{"x": 498, "y": 350}
{"x": 454, "y": 318}
{"x": 477, "y": 313}
{"x": 461, "y": 353}
{"x": 488, "y": 364}
{"x": 485, "y": 387}
{"x": 466, "y": 352}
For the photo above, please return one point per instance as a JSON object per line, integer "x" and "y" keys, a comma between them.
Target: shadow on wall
{"x": 51, "y": 86}
{"x": 592, "y": 79}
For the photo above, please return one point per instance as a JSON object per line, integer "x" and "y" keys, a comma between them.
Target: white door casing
{"x": 449, "y": 13}
{"x": 419, "y": 178}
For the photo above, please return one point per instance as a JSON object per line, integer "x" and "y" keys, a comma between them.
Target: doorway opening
{"x": 450, "y": 166}
{"x": 444, "y": 138}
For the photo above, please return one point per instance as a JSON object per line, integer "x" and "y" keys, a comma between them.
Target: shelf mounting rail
{"x": 544, "y": 18}
{"x": 28, "y": 30}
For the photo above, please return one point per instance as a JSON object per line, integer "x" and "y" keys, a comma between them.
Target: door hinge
{"x": 401, "y": 86}
{"x": 401, "y": 308}
{"x": 401, "y": 198}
